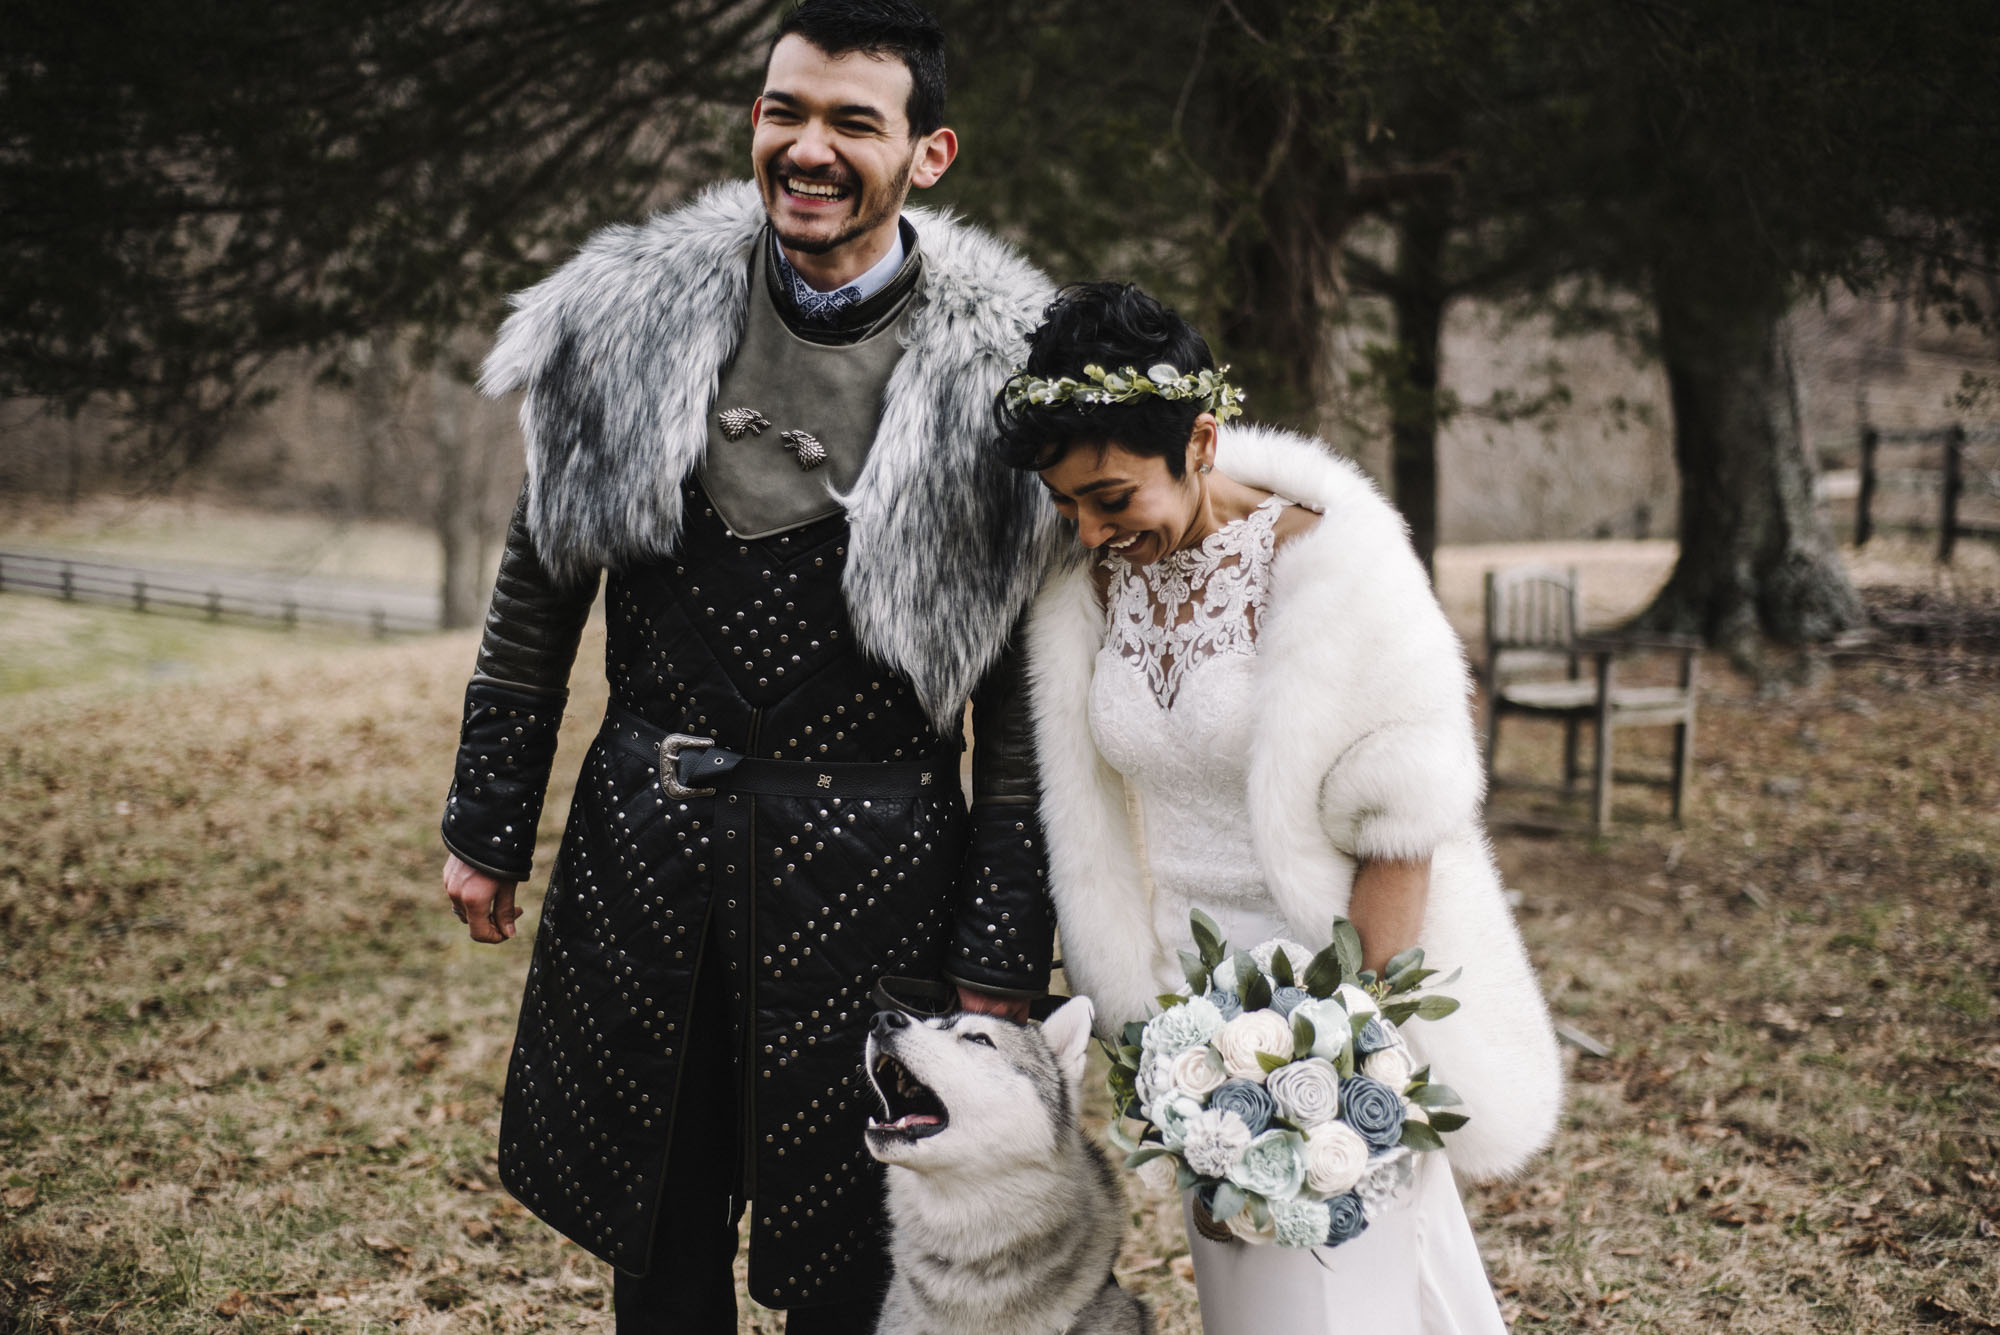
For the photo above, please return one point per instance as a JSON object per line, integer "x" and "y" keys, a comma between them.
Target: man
{"x": 765, "y": 416}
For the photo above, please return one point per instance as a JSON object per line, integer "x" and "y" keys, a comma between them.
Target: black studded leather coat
{"x": 802, "y": 902}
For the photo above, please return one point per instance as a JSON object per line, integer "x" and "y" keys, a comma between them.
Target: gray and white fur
{"x": 621, "y": 351}
{"x": 1005, "y": 1218}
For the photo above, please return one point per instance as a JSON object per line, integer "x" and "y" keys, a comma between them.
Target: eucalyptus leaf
{"x": 1255, "y": 989}
{"x": 1281, "y": 968}
{"x": 1303, "y": 1034}
{"x": 1347, "y": 944}
{"x": 1207, "y": 938}
{"x": 1417, "y": 1136}
{"x": 1119, "y": 1136}
{"x": 1404, "y": 960}
{"x": 1448, "y": 1121}
{"x": 1131, "y": 1056}
{"x": 1451, "y": 977}
{"x": 1228, "y": 1203}
{"x": 1260, "y": 1210}
{"x": 1396, "y": 1012}
{"x": 1436, "y": 1008}
{"x": 1323, "y": 974}
{"x": 1134, "y": 1033}
{"x": 1344, "y": 1063}
{"x": 1145, "y": 1154}
{"x": 1271, "y": 1061}
{"x": 1435, "y": 1096}
{"x": 1169, "y": 1000}
{"x": 1194, "y": 971}
{"x": 1185, "y": 1178}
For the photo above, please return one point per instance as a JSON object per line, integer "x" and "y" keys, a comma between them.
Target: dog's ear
{"x": 1067, "y": 1032}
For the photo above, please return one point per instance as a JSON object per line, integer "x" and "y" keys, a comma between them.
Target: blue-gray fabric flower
{"x": 1273, "y": 1165}
{"x": 1373, "y": 1109}
{"x": 1372, "y": 1038}
{"x": 1226, "y": 1001}
{"x": 1248, "y": 1100}
{"x": 1346, "y": 1218}
{"x": 1285, "y": 1000}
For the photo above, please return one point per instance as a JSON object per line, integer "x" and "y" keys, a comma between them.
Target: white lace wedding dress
{"x": 1171, "y": 706}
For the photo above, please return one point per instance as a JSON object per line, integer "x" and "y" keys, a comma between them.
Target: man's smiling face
{"x": 834, "y": 156}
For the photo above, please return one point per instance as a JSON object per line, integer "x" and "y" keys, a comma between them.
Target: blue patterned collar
{"x": 812, "y": 304}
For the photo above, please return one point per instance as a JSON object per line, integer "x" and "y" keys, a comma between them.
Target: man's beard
{"x": 890, "y": 205}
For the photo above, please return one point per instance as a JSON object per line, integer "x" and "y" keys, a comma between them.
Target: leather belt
{"x": 692, "y": 766}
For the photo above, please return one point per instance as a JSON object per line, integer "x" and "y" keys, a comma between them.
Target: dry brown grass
{"x": 249, "y": 1067}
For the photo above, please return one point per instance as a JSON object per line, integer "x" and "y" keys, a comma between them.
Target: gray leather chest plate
{"x": 831, "y": 392}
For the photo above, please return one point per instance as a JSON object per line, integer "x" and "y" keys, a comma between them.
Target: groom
{"x": 763, "y": 417}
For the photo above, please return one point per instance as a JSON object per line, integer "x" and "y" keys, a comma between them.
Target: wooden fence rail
{"x": 1951, "y": 479}
{"x": 243, "y": 597}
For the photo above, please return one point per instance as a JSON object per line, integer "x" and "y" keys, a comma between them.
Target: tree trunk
{"x": 455, "y": 515}
{"x": 1419, "y": 300}
{"x": 1756, "y": 561}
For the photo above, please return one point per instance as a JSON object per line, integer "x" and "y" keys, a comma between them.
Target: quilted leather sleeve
{"x": 513, "y": 709}
{"x": 1003, "y": 932}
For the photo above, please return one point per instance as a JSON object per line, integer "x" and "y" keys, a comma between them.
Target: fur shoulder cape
{"x": 621, "y": 351}
{"x": 1363, "y": 747}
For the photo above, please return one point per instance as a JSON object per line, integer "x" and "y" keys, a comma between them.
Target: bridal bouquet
{"x": 1279, "y": 1088}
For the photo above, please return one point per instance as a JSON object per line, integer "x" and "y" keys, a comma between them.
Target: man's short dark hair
{"x": 880, "y": 28}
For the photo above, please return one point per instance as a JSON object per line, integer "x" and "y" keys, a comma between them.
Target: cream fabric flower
{"x": 1248, "y": 1034}
{"x": 1198, "y": 1072}
{"x": 1391, "y": 1066}
{"x": 1158, "y": 1175}
{"x": 1307, "y": 1092}
{"x": 1215, "y": 1140}
{"x": 1336, "y": 1157}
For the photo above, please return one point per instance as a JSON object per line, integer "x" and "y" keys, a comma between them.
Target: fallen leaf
{"x": 441, "y": 1292}
{"x": 18, "y": 1198}
{"x": 478, "y": 1230}
{"x": 233, "y": 1305}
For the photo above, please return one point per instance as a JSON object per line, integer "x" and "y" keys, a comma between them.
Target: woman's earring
{"x": 1205, "y": 468}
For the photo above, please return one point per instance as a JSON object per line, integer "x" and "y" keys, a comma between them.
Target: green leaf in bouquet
{"x": 1448, "y": 1121}
{"x": 1422, "y": 1076}
{"x": 1145, "y": 1154}
{"x": 1281, "y": 968}
{"x": 1451, "y": 977}
{"x": 1131, "y": 1057}
{"x": 1396, "y": 1012}
{"x": 1271, "y": 1061}
{"x": 1228, "y": 1203}
{"x": 1435, "y": 1096}
{"x": 1403, "y": 962}
{"x": 1418, "y": 1136}
{"x": 1194, "y": 971}
{"x": 1436, "y": 1008}
{"x": 1119, "y": 1136}
{"x": 1207, "y": 938}
{"x": 1344, "y": 1063}
{"x": 1255, "y": 988}
{"x": 1347, "y": 944}
{"x": 1260, "y": 1210}
{"x": 1405, "y": 982}
{"x": 1134, "y": 1033}
{"x": 1303, "y": 1035}
{"x": 1169, "y": 1000}
{"x": 1185, "y": 1178}
{"x": 1367, "y": 981}
{"x": 1355, "y": 1024}
{"x": 1322, "y": 978}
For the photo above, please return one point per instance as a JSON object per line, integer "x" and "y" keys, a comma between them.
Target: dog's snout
{"x": 886, "y": 1022}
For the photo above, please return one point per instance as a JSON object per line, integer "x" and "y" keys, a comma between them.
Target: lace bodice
{"x": 1172, "y": 704}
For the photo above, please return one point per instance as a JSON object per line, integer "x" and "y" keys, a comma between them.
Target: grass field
{"x": 249, "y": 1067}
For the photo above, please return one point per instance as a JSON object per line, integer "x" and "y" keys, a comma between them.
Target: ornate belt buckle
{"x": 671, "y": 747}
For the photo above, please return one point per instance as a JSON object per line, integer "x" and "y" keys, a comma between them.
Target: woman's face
{"x": 1127, "y": 503}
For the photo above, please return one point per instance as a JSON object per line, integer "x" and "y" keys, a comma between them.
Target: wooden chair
{"x": 1532, "y": 626}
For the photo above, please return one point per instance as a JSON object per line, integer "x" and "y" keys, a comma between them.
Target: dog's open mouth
{"x": 909, "y": 1108}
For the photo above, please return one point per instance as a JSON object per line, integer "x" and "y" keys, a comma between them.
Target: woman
{"x": 1247, "y": 700}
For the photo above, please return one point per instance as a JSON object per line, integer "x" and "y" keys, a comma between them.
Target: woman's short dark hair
{"x": 1113, "y": 325}
{"x": 880, "y": 28}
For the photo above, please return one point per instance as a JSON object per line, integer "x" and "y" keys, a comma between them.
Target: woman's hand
{"x": 1387, "y": 907}
{"x": 483, "y": 903}
{"x": 985, "y": 1003}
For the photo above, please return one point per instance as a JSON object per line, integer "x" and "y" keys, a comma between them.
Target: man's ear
{"x": 1067, "y": 1032}
{"x": 934, "y": 154}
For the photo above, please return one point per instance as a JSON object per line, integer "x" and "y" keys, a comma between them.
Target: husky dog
{"x": 1005, "y": 1218}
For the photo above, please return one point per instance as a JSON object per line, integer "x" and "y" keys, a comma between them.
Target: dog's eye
{"x": 981, "y": 1039}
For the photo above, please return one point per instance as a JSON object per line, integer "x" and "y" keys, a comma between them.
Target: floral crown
{"x": 1099, "y": 387}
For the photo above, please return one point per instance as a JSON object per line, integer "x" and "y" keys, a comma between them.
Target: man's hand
{"x": 985, "y": 1003}
{"x": 482, "y": 903}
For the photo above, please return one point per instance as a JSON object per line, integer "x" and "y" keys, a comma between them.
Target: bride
{"x": 1248, "y": 701}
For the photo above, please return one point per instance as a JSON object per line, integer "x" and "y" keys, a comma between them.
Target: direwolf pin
{"x": 736, "y": 421}
{"x": 805, "y": 446}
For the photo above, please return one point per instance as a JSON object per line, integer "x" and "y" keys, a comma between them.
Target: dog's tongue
{"x": 915, "y": 1119}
